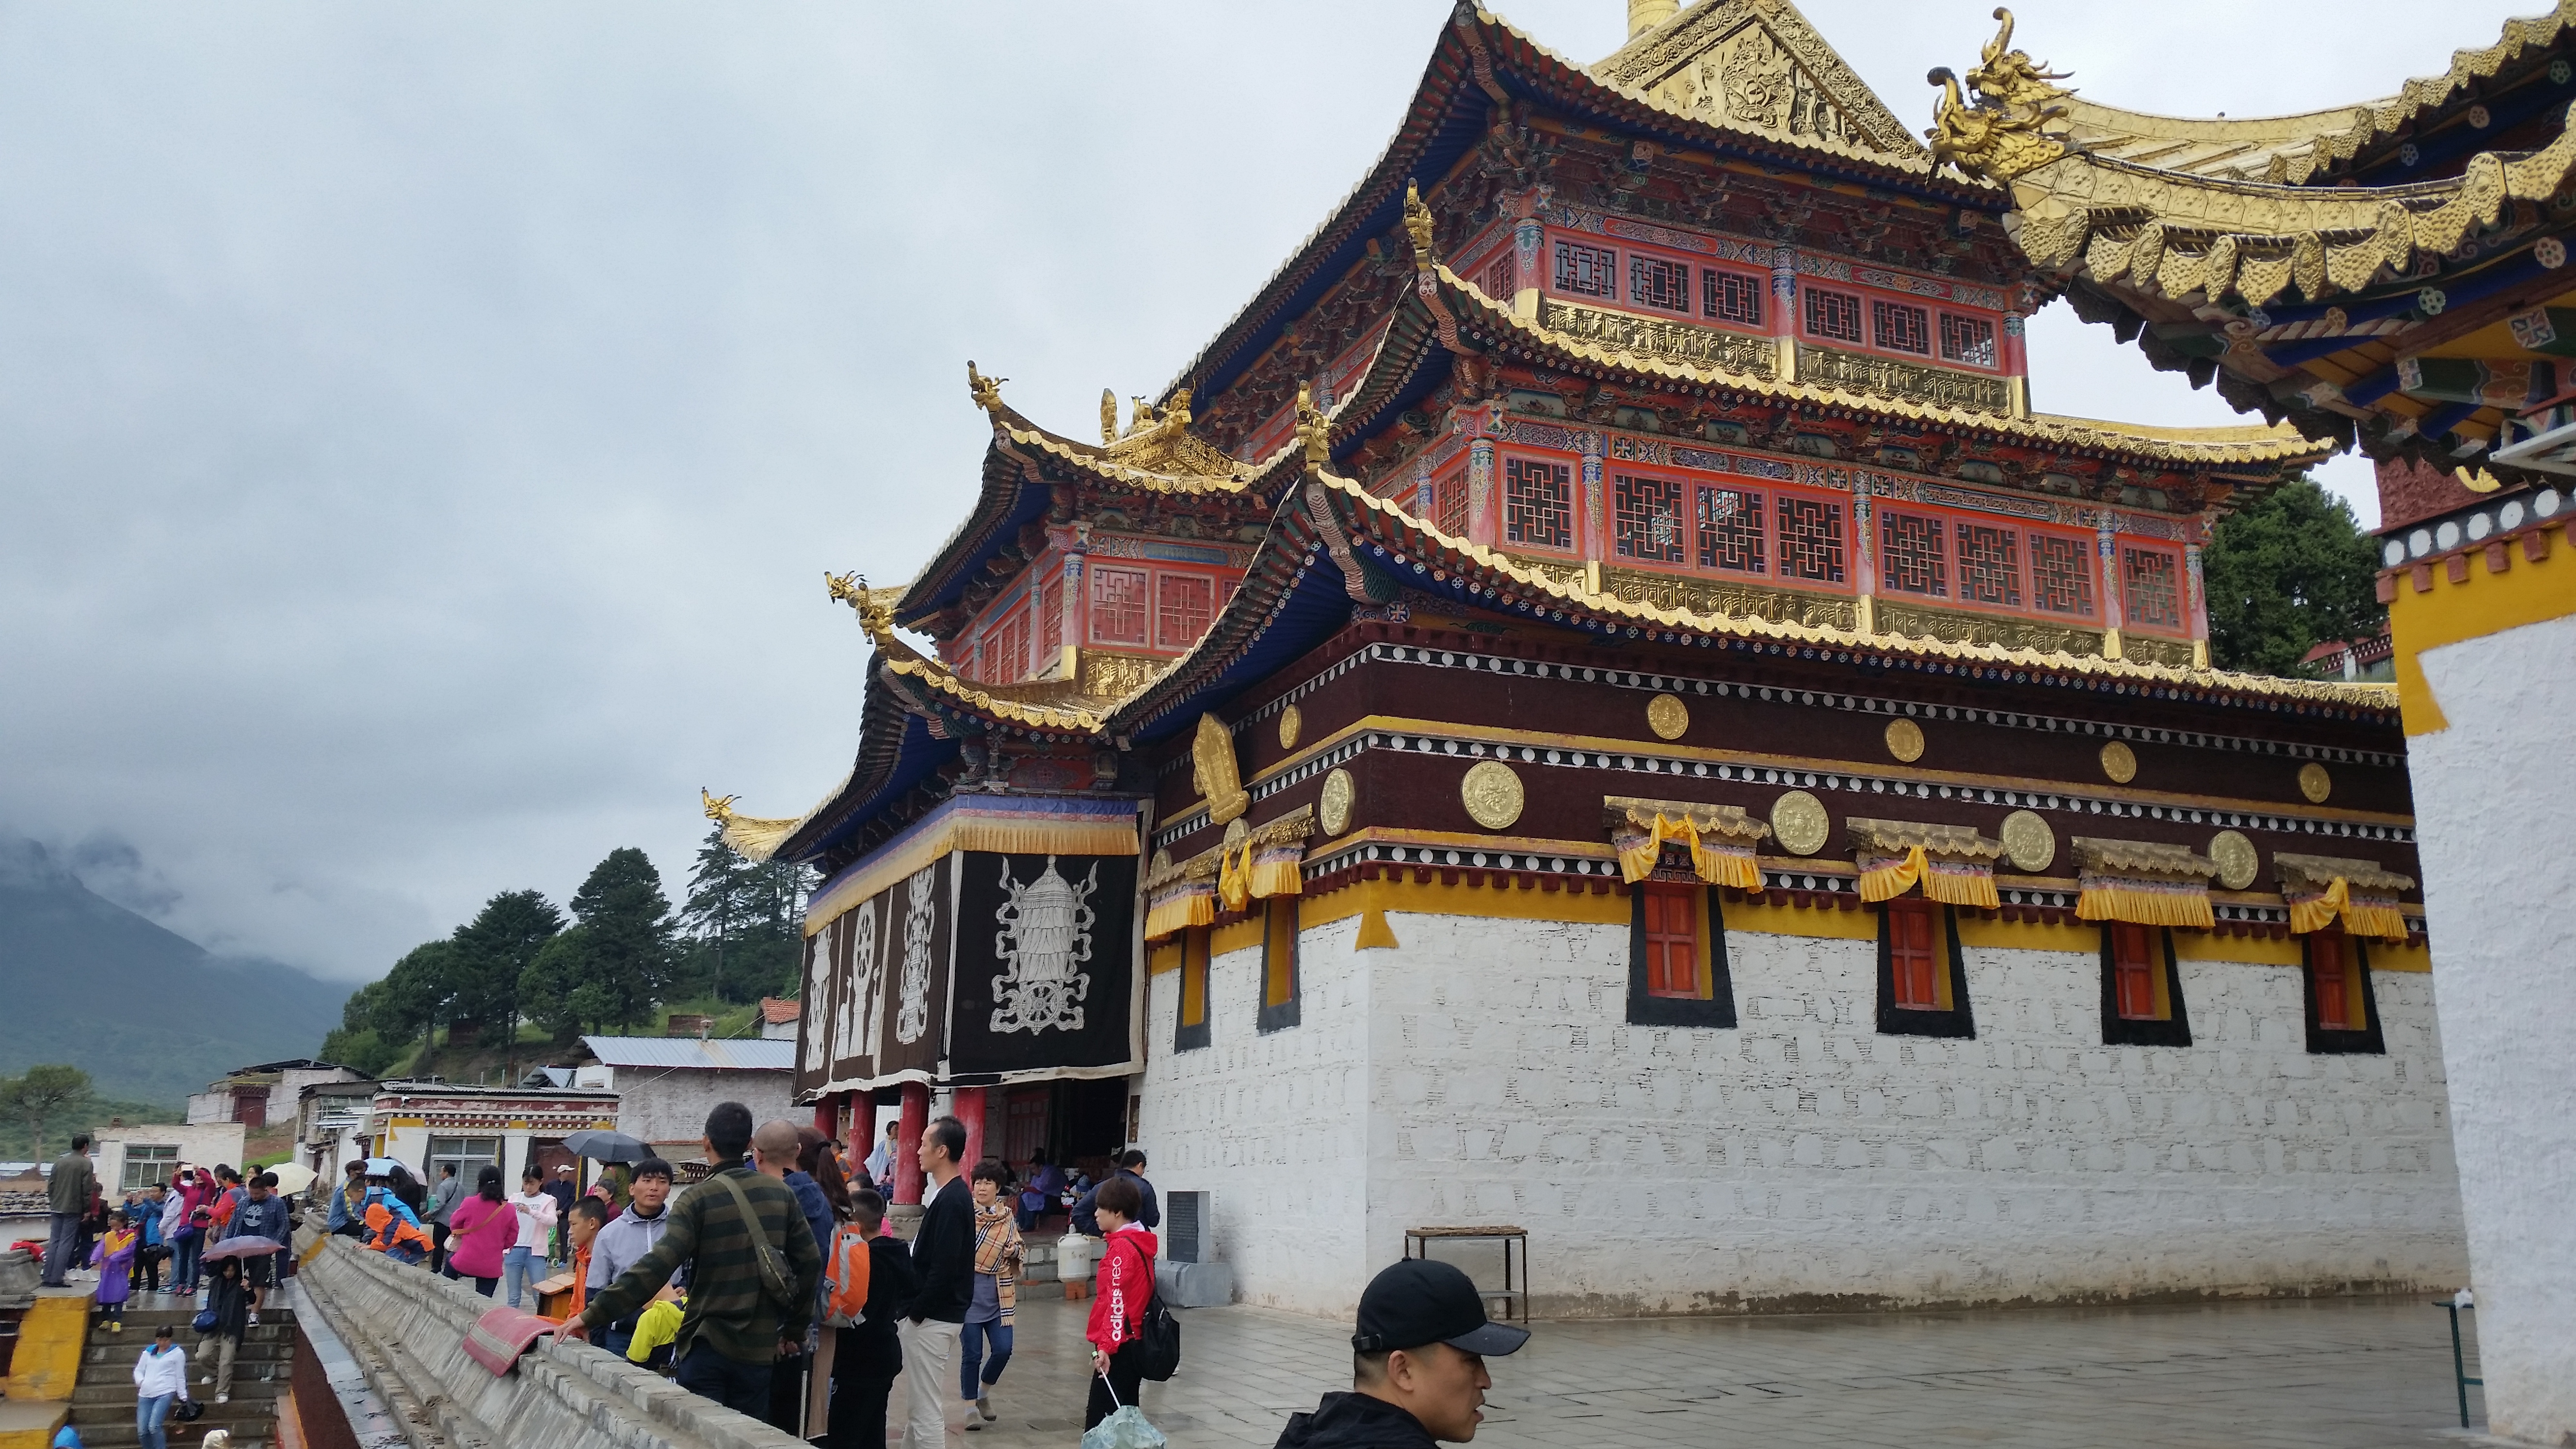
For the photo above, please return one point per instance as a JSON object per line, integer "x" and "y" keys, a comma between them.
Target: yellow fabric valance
{"x": 1951, "y": 882}
{"x": 2377, "y": 919}
{"x": 2145, "y": 902}
{"x": 1718, "y": 862}
{"x": 1179, "y": 906}
{"x": 1266, "y": 860}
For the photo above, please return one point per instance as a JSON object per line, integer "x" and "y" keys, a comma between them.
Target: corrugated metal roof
{"x": 738, "y": 1054}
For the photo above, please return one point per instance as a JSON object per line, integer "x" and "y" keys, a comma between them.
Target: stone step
{"x": 120, "y": 1433}
{"x": 246, "y": 1389}
{"x": 118, "y": 1358}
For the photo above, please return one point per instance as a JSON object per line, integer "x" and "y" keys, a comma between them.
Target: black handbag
{"x": 188, "y": 1411}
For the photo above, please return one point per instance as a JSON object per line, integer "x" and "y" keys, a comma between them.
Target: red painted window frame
{"x": 1098, "y": 582}
{"x": 1914, "y": 972}
{"x": 1675, "y": 967}
{"x": 2134, "y": 962}
{"x": 1573, "y": 546}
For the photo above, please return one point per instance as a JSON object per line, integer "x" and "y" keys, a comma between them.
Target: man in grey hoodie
{"x": 624, "y": 1242}
{"x": 442, "y": 1201}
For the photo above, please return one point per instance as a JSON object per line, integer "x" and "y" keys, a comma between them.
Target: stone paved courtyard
{"x": 2354, "y": 1374}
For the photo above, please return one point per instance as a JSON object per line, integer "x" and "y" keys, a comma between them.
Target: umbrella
{"x": 382, "y": 1166}
{"x": 607, "y": 1146}
{"x": 244, "y": 1247}
{"x": 292, "y": 1177}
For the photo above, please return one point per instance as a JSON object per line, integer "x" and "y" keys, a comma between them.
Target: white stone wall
{"x": 204, "y": 1144}
{"x": 1270, "y": 1124}
{"x": 671, "y": 1104}
{"x": 1802, "y": 1158}
{"x": 2494, "y": 798}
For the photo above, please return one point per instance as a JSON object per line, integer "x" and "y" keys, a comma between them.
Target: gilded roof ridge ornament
{"x": 2016, "y": 123}
{"x": 1417, "y": 223}
{"x": 875, "y": 607}
{"x": 718, "y": 808}
{"x": 1314, "y": 430}
{"x": 987, "y": 391}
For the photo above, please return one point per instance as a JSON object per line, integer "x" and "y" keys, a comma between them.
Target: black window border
{"x": 1185, "y": 1037}
{"x": 1959, "y": 1022}
{"x": 1717, "y": 1009}
{"x": 2118, "y": 1030}
{"x": 1284, "y": 1015}
{"x": 2366, "y": 1042}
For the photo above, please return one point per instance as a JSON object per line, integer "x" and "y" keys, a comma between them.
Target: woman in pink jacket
{"x": 479, "y": 1231}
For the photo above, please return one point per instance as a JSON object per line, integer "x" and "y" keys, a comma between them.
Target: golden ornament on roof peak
{"x": 987, "y": 391}
{"x": 1417, "y": 222}
{"x": 718, "y": 808}
{"x": 2015, "y": 123}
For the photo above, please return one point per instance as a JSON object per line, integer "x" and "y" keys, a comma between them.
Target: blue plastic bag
{"x": 1125, "y": 1428}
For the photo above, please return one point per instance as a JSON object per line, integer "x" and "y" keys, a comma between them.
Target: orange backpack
{"x": 845, "y": 1278}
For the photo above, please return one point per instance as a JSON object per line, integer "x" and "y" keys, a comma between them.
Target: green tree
{"x": 362, "y": 1051}
{"x": 2285, "y": 573}
{"x": 494, "y": 951}
{"x": 414, "y": 997}
{"x": 41, "y": 1096}
{"x": 744, "y": 919}
{"x": 621, "y": 958}
{"x": 556, "y": 991}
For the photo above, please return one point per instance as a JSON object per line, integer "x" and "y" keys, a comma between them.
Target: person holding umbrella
{"x": 262, "y": 1219}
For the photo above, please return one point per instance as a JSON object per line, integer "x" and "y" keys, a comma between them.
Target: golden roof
{"x": 753, "y": 837}
{"x": 1895, "y": 837}
{"x": 1735, "y": 63}
{"x": 2140, "y": 857}
{"x": 2237, "y": 446}
{"x": 1042, "y": 704}
{"x": 2317, "y": 872}
{"x": 2249, "y": 148}
{"x": 2377, "y": 120}
{"x": 1157, "y": 453}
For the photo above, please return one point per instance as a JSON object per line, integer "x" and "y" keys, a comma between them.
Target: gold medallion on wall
{"x": 1292, "y": 720}
{"x": 2028, "y": 842}
{"x": 2315, "y": 783}
{"x": 1799, "y": 823}
{"x": 2236, "y": 859}
{"x": 2119, "y": 763}
{"x": 1667, "y": 716}
{"x": 1235, "y": 830}
{"x": 1492, "y": 794}
{"x": 1333, "y": 811}
{"x": 1905, "y": 740}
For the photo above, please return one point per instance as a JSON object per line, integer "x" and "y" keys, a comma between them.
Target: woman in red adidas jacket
{"x": 1125, "y": 1286}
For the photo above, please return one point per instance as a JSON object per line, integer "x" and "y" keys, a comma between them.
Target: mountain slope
{"x": 147, "y": 1013}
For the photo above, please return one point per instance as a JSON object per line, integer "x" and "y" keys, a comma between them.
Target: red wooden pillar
{"x": 968, "y": 1104}
{"x": 827, "y": 1116}
{"x": 907, "y": 1141}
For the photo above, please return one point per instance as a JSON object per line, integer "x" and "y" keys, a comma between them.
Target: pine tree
{"x": 2285, "y": 573}
{"x": 746, "y": 918}
{"x": 626, "y": 955}
{"x": 494, "y": 950}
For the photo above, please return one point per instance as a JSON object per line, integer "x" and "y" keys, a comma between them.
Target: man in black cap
{"x": 1417, "y": 1365}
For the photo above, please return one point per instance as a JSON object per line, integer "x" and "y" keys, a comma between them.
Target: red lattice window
{"x": 1989, "y": 565}
{"x": 1811, "y": 538}
{"x": 1672, "y": 938}
{"x": 1833, "y": 315}
{"x": 1501, "y": 279}
{"x": 2133, "y": 971}
{"x": 1901, "y": 327}
{"x": 1914, "y": 953}
{"x": 1184, "y": 604}
{"x": 1538, "y": 503}
{"x": 1654, "y": 282}
{"x": 1006, "y": 649}
{"x": 1586, "y": 271}
{"x": 1649, "y": 514}
{"x": 1117, "y": 606}
{"x": 2151, "y": 588}
{"x": 1967, "y": 339}
{"x": 1449, "y": 504}
{"x": 1911, "y": 559}
{"x": 2061, "y": 574}
{"x": 1730, "y": 530}
{"x": 1047, "y": 604}
{"x": 1732, "y": 297}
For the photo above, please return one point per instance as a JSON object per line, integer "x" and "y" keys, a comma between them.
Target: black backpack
{"x": 1157, "y": 1345}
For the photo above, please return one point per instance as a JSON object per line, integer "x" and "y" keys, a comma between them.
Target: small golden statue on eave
{"x": 2015, "y": 124}
{"x": 1417, "y": 223}
{"x": 1313, "y": 429}
{"x": 987, "y": 391}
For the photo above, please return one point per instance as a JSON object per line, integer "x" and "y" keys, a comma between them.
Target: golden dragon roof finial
{"x": 874, "y": 608}
{"x": 719, "y": 808}
{"x": 1313, "y": 429}
{"x": 987, "y": 391}
{"x": 2014, "y": 125}
{"x": 1417, "y": 223}
{"x": 1108, "y": 416}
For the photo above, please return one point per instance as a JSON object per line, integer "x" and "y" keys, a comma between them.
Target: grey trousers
{"x": 58, "y": 1248}
{"x": 218, "y": 1349}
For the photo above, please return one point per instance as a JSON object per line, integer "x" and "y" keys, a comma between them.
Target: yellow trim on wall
{"x": 2525, "y": 593}
{"x": 2084, "y": 939}
{"x": 2251, "y": 950}
{"x": 1828, "y": 924}
{"x": 2398, "y": 956}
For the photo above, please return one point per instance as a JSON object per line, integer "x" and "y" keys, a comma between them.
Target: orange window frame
{"x": 1918, "y": 963}
{"x": 2336, "y": 968}
{"x": 2136, "y": 969}
{"x": 1676, "y": 932}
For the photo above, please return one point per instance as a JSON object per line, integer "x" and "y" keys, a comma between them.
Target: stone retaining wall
{"x": 407, "y": 1330}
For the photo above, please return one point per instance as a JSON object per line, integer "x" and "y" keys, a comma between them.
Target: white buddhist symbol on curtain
{"x": 1043, "y": 945}
{"x": 859, "y": 986}
{"x": 818, "y": 996}
{"x": 912, "y": 1013}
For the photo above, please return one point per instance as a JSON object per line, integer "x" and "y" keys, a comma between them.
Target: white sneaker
{"x": 223, "y": 1398}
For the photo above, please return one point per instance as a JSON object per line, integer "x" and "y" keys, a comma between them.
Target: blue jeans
{"x": 970, "y": 1351}
{"x": 616, "y": 1342}
{"x": 149, "y": 1416}
{"x": 741, "y": 1387}
{"x": 519, "y": 1267}
{"x": 184, "y": 1261}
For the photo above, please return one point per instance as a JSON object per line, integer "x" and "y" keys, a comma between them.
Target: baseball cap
{"x": 1419, "y": 1301}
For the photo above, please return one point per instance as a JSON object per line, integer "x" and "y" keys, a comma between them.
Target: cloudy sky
{"x": 424, "y": 429}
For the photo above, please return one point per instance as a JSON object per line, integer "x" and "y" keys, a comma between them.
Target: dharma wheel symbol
{"x": 1043, "y": 944}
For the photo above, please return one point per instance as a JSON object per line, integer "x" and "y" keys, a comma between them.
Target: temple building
{"x": 1600, "y": 702}
{"x": 2392, "y": 275}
